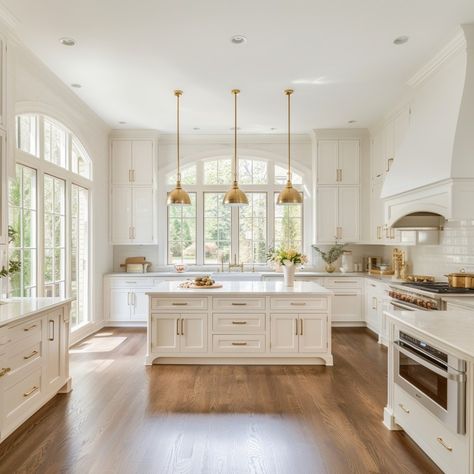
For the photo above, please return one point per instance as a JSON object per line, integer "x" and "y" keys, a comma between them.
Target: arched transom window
{"x": 209, "y": 233}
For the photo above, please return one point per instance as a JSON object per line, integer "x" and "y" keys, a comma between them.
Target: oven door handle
{"x": 459, "y": 377}
{"x": 406, "y": 307}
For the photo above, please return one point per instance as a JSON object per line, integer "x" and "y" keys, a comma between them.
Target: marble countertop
{"x": 243, "y": 288}
{"x": 247, "y": 274}
{"x": 453, "y": 329}
{"x": 17, "y": 309}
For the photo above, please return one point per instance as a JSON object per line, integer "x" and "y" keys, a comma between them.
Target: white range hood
{"x": 433, "y": 173}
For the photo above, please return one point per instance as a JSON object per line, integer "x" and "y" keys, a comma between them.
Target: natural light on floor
{"x": 100, "y": 343}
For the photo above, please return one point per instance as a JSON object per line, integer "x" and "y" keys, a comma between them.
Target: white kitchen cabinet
{"x": 132, "y": 162}
{"x": 381, "y": 233}
{"x": 347, "y": 307}
{"x": 284, "y": 333}
{"x": 313, "y": 333}
{"x": 338, "y": 213}
{"x": 165, "y": 330}
{"x": 54, "y": 363}
{"x": 127, "y": 304}
{"x": 193, "y": 333}
{"x": 121, "y": 221}
{"x": 338, "y": 162}
{"x": 139, "y": 305}
{"x": 376, "y": 302}
{"x": 377, "y": 157}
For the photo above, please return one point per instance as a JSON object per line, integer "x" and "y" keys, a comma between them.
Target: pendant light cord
{"x": 235, "y": 92}
{"x": 178, "y": 95}
{"x": 288, "y": 92}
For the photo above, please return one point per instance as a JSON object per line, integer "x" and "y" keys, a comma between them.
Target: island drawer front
{"x": 448, "y": 449}
{"x": 22, "y": 394}
{"x": 181, "y": 304}
{"x": 21, "y": 331}
{"x": 238, "y": 304}
{"x": 240, "y": 322}
{"x": 238, "y": 343}
{"x": 24, "y": 356}
{"x": 342, "y": 282}
{"x": 299, "y": 304}
{"x": 131, "y": 282}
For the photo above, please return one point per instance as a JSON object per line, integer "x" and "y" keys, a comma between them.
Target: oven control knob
{"x": 429, "y": 305}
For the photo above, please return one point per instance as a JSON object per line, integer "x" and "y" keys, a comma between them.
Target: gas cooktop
{"x": 437, "y": 287}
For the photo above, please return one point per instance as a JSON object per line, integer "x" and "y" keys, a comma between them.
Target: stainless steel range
{"x": 422, "y": 295}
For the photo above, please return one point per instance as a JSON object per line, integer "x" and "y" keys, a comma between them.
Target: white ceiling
{"x": 131, "y": 54}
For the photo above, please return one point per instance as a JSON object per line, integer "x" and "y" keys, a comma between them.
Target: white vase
{"x": 289, "y": 275}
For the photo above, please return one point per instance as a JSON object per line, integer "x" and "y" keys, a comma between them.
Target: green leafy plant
{"x": 332, "y": 254}
{"x": 286, "y": 257}
{"x": 14, "y": 266}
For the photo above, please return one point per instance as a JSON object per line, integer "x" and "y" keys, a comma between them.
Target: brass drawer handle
{"x": 403, "y": 408}
{"x": 297, "y": 304}
{"x": 239, "y": 322}
{"x": 179, "y": 304}
{"x": 239, "y": 304}
{"x": 443, "y": 443}
{"x": 345, "y": 281}
{"x": 33, "y": 390}
{"x": 239, "y": 343}
{"x": 31, "y": 355}
{"x": 4, "y": 371}
{"x": 29, "y": 328}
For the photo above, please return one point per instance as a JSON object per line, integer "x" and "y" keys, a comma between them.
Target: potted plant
{"x": 331, "y": 255}
{"x": 288, "y": 259}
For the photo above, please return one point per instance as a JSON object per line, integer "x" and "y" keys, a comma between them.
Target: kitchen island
{"x": 243, "y": 322}
{"x": 431, "y": 384}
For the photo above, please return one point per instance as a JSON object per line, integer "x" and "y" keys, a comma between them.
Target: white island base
{"x": 244, "y": 322}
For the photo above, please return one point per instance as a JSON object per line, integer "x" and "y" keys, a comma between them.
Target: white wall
{"x": 33, "y": 87}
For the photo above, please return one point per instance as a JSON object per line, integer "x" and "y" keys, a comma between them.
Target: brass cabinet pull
{"x": 33, "y": 390}
{"x": 239, "y": 343}
{"x": 301, "y": 327}
{"x": 177, "y": 327}
{"x": 182, "y": 327}
{"x": 345, "y": 281}
{"x": 31, "y": 355}
{"x": 4, "y": 371}
{"x": 443, "y": 443}
{"x": 374, "y": 302}
{"x": 297, "y": 304}
{"x": 29, "y": 328}
{"x": 239, "y": 304}
{"x": 52, "y": 330}
{"x": 296, "y": 324}
{"x": 340, "y": 175}
{"x": 239, "y": 322}
{"x": 179, "y": 304}
{"x": 379, "y": 229}
{"x": 406, "y": 410}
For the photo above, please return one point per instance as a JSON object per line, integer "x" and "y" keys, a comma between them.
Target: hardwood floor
{"x": 123, "y": 417}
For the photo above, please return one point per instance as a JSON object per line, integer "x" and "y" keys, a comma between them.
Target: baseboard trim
{"x": 124, "y": 324}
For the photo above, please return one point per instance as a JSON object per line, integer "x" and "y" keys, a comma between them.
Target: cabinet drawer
{"x": 21, "y": 331}
{"x": 131, "y": 282}
{"x": 299, "y": 304}
{"x": 238, "y": 304}
{"x": 179, "y": 304}
{"x": 343, "y": 282}
{"x": 447, "y": 449}
{"x": 238, "y": 343}
{"x": 22, "y": 393}
{"x": 239, "y": 322}
{"x": 24, "y": 356}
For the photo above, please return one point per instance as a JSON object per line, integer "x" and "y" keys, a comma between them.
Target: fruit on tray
{"x": 204, "y": 281}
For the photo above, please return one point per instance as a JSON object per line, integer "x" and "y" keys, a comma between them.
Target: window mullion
{"x": 40, "y": 232}
{"x": 234, "y": 232}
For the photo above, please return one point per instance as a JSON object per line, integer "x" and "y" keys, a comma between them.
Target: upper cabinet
{"x": 338, "y": 162}
{"x": 133, "y": 191}
{"x": 132, "y": 162}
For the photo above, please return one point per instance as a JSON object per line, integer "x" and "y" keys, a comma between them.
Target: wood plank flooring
{"x": 123, "y": 417}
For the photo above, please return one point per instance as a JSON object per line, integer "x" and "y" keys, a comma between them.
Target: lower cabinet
{"x": 347, "y": 307}
{"x": 376, "y": 302}
{"x": 298, "y": 333}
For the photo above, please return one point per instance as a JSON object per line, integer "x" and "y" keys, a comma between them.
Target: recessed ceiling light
{"x": 122, "y": 122}
{"x": 67, "y": 41}
{"x": 238, "y": 39}
{"x": 400, "y": 40}
{"x": 76, "y": 85}
{"x": 352, "y": 121}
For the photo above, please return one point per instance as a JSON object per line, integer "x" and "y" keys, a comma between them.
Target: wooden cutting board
{"x": 133, "y": 260}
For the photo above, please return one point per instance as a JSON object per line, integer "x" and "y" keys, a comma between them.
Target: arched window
{"x": 209, "y": 233}
{"x": 49, "y": 213}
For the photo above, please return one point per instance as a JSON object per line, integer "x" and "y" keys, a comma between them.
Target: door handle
{"x": 301, "y": 327}
{"x": 4, "y": 371}
{"x": 374, "y": 302}
{"x": 406, "y": 410}
{"x": 297, "y": 304}
{"x": 51, "y": 330}
{"x": 179, "y": 304}
{"x": 31, "y": 355}
{"x": 182, "y": 326}
{"x": 29, "y": 328}
{"x": 177, "y": 327}
{"x": 239, "y": 322}
{"x": 443, "y": 443}
{"x": 296, "y": 326}
{"x": 30, "y": 392}
{"x": 239, "y": 343}
{"x": 239, "y": 304}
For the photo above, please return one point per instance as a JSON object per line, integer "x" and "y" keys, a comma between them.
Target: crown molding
{"x": 226, "y": 139}
{"x": 454, "y": 46}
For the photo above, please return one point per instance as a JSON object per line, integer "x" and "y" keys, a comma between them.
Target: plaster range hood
{"x": 432, "y": 177}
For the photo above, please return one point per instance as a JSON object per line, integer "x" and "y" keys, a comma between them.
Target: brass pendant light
{"x": 178, "y": 197}
{"x": 289, "y": 195}
{"x": 235, "y": 197}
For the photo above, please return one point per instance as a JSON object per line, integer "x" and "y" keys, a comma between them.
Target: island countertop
{"x": 454, "y": 329}
{"x": 243, "y": 288}
{"x": 18, "y": 309}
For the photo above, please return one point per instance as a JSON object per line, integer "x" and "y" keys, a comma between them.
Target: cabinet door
{"x": 372, "y": 307}
{"x": 193, "y": 328}
{"x": 347, "y": 306}
{"x": 121, "y": 161}
{"x": 120, "y": 304}
{"x": 121, "y": 214}
{"x": 164, "y": 332}
{"x": 53, "y": 351}
{"x": 326, "y": 218}
{"x": 401, "y": 126}
{"x": 389, "y": 141}
{"x": 142, "y": 162}
{"x": 143, "y": 215}
{"x": 377, "y": 161}
{"x": 283, "y": 333}
{"x": 349, "y": 161}
{"x": 327, "y": 161}
{"x": 313, "y": 333}
{"x": 348, "y": 212}
{"x": 139, "y": 305}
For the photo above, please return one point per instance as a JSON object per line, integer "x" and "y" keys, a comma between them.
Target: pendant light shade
{"x": 178, "y": 197}
{"x": 289, "y": 195}
{"x": 235, "y": 196}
